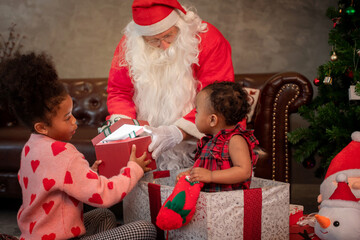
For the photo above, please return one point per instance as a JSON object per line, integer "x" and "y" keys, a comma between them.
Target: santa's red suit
{"x": 215, "y": 64}
{"x": 160, "y": 85}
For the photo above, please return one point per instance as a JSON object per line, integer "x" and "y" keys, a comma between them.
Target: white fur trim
{"x": 188, "y": 127}
{"x": 159, "y": 27}
{"x": 355, "y": 136}
{"x": 355, "y": 172}
{"x": 340, "y": 204}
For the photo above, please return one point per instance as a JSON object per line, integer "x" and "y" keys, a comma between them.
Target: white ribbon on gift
{"x": 124, "y": 132}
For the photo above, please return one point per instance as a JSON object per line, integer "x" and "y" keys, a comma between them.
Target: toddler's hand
{"x": 95, "y": 166}
{"x": 182, "y": 174}
{"x": 141, "y": 160}
{"x": 201, "y": 175}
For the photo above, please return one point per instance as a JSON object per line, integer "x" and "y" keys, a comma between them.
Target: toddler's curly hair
{"x": 29, "y": 84}
{"x": 228, "y": 99}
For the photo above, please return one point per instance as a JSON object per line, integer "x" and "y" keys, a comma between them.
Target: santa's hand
{"x": 163, "y": 139}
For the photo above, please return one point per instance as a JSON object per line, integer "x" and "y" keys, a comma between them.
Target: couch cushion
{"x": 253, "y": 100}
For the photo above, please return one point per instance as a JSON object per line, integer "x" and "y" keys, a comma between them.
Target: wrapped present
{"x": 113, "y": 145}
{"x": 261, "y": 212}
{"x": 296, "y": 212}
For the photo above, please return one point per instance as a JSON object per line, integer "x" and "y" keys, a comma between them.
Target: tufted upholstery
{"x": 281, "y": 94}
{"x": 89, "y": 98}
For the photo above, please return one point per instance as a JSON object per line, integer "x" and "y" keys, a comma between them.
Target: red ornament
{"x": 309, "y": 163}
{"x": 316, "y": 82}
{"x": 336, "y": 21}
{"x": 350, "y": 73}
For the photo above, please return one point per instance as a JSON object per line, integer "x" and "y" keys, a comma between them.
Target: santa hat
{"x": 348, "y": 158}
{"x": 152, "y": 17}
{"x": 342, "y": 196}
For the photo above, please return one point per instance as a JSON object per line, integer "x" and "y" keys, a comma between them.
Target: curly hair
{"x": 228, "y": 99}
{"x": 29, "y": 84}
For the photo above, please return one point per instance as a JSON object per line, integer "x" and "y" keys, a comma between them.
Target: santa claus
{"x": 165, "y": 57}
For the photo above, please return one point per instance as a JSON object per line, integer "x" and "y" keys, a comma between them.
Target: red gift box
{"x": 296, "y": 212}
{"x": 115, "y": 154}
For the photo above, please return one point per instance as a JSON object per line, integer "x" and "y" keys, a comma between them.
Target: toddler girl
{"x": 224, "y": 158}
{"x": 54, "y": 177}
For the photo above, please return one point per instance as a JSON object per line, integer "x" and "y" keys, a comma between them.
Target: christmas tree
{"x": 333, "y": 115}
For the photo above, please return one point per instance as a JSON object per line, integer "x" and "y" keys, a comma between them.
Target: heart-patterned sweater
{"x": 56, "y": 180}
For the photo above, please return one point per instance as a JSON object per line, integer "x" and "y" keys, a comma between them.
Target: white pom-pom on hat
{"x": 355, "y": 136}
{"x": 341, "y": 178}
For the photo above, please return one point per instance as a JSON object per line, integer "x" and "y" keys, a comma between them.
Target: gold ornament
{"x": 328, "y": 80}
{"x": 333, "y": 57}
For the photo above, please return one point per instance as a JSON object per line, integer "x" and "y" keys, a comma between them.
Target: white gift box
{"x": 262, "y": 212}
{"x": 352, "y": 93}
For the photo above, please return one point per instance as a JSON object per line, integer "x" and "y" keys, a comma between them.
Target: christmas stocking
{"x": 180, "y": 206}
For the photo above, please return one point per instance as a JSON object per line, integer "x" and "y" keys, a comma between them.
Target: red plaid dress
{"x": 213, "y": 154}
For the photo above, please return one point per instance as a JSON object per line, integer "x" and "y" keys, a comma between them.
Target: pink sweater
{"x": 56, "y": 180}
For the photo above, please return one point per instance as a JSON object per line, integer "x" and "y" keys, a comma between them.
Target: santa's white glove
{"x": 113, "y": 118}
{"x": 163, "y": 139}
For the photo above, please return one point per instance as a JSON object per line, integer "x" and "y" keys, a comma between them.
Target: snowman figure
{"x": 339, "y": 216}
{"x": 347, "y": 161}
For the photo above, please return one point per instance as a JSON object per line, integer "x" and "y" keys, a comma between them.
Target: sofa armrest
{"x": 281, "y": 95}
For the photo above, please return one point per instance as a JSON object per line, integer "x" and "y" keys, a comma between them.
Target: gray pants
{"x": 100, "y": 223}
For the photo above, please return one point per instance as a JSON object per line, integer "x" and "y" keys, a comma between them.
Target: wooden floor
{"x": 301, "y": 194}
{"x": 8, "y": 213}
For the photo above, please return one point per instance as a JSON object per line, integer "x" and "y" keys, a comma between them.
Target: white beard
{"x": 164, "y": 87}
{"x": 163, "y": 94}
{"x": 163, "y": 80}
{"x": 164, "y": 84}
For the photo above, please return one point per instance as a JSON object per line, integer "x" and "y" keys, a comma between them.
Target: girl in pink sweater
{"x": 54, "y": 177}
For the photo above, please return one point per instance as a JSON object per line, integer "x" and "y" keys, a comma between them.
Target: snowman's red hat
{"x": 348, "y": 158}
{"x": 342, "y": 196}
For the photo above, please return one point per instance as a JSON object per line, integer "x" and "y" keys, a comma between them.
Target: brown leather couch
{"x": 281, "y": 94}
